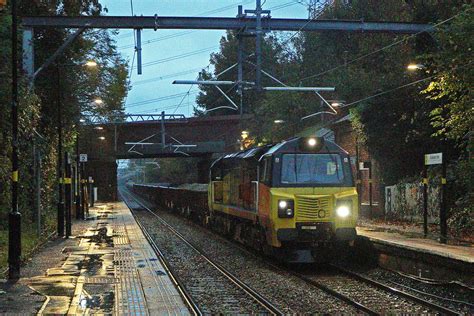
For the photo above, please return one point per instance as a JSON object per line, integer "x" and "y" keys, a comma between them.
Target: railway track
{"x": 346, "y": 285}
{"x": 264, "y": 305}
{"x": 371, "y": 296}
{"x": 357, "y": 276}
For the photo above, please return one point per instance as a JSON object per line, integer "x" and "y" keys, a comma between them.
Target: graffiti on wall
{"x": 405, "y": 201}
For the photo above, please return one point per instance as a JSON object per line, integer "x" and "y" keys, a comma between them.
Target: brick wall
{"x": 346, "y": 138}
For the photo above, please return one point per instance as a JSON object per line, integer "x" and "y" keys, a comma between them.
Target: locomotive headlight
{"x": 282, "y": 204}
{"x": 343, "y": 211}
{"x": 286, "y": 208}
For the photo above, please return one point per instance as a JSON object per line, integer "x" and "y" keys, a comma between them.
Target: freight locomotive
{"x": 295, "y": 200}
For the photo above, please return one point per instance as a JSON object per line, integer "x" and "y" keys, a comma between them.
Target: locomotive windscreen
{"x": 312, "y": 168}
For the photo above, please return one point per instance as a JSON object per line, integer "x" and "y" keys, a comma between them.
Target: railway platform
{"x": 461, "y": 252}
{"x": 408, "y": 251}
{"x": 107, "y": 267}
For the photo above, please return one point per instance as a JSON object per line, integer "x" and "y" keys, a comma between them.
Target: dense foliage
{"x": 77, "y": 86}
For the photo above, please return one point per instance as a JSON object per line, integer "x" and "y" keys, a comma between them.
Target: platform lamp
{"x": 415, "y": 67}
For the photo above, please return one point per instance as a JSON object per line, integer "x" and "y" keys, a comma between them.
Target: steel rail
{"x": 335, "y": 293}
{"x": 250, "y": 291}
{"x": 387, "y": 288}
{"x": 193, "y": 307}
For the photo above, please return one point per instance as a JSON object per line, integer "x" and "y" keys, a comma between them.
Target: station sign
{"x": 365, "y": 165}
{"x": 433, "y": 159}
{"x": 83, "y": 158}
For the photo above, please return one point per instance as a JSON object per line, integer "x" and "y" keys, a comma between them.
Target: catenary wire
{"x": 218, "y": 10}
{"x": 168, "y": 76}
{"x": 184, "y": 97}
{"x": 180, "y": 56}
{"x": 381, "y": 49}
{"x": 163, "y": 98}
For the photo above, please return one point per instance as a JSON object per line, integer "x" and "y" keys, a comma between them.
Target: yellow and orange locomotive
{"x": 294, "y": 200}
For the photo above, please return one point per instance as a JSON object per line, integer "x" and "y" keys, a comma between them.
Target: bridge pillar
{"x": 104, "y": 174}
{"x": 203, "y": 169}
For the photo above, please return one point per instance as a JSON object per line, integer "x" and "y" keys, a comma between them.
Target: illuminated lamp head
{"x": 311, "y": 143}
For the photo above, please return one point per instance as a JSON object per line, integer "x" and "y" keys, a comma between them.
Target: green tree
{"x": 451, "y": 87}
{"x": 38, "y": 107}
{"x": 210, "y": 97}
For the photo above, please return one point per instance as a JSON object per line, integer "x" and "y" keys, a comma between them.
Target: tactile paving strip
{"x": 101, "y": 280}
{"x": 130, "y": 296}
{"x": 160, "y": 292}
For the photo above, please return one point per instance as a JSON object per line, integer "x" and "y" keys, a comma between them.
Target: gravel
{"x": 289, "y": 293}
{"x": 211, "y": 290}
{"x": 376, "y": 299}
{"x": 431, "y": 292}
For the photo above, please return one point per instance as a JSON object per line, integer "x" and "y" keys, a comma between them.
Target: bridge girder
{"x": 220, "y": 23}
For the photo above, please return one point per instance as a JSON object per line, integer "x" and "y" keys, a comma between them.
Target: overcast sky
{"x": 162, "y": 49}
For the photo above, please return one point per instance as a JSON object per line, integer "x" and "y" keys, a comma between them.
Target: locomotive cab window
{"x": 266, "y": 170}
{"x": 312, "y": 168}
{"x": 216, "y": 174}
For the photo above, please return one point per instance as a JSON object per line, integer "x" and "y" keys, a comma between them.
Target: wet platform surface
{"x": 112, "y": 269}
{"x": 464, "y": 253}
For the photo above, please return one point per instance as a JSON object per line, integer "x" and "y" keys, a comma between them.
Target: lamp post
{"x": 67, "y": 188}
{"x": 60, "y": 169}
{"x": 60, "y": 207}
{"x": 14, "y": 218}
{"x": 77, "y": 191}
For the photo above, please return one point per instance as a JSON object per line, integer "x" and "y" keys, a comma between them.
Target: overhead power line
{"x": 378, "y": 50}
{"x": 158, "y": 39}
{"x": 163, "y": 98}
{"x": 218, "y": 10}
{"x": 173, "y": 75}
{"x": 184, "y": 97}
{"x": 399, "y": 87}
{"x": 178, "y": 34}
{"x": 188, "y": 54}
{"x": 161, "y": 108}
{"x": 146, "y": 102}
{"x": 387, "y": 91}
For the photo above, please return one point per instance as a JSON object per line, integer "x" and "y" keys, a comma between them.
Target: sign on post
{"x": 433, "y": 159}
{"x": 83, "y": 158}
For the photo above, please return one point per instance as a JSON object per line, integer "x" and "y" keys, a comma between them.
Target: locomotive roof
{"x": 293, "y": 145}
{"x": 289, "y": 145}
